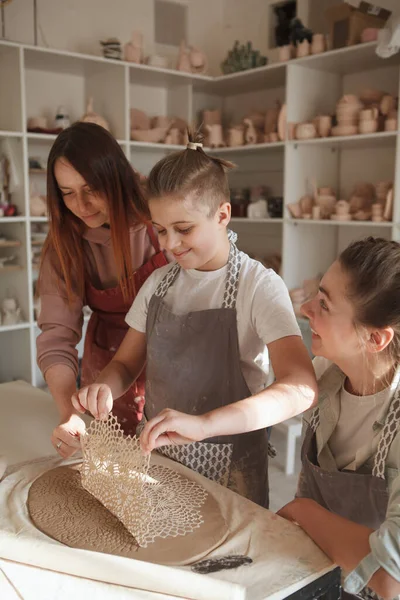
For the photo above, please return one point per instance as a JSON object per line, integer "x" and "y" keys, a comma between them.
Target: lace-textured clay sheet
{"x": 284, "y": 558}
{"x": 120, "y": 504}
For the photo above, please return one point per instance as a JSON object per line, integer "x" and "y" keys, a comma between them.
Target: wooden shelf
{"x": 16, "y": 327}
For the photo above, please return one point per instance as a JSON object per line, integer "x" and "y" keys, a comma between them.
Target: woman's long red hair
{"x": 99, "y": 159}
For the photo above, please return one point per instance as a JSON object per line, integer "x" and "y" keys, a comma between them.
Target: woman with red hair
{"x": 99, "y": 250}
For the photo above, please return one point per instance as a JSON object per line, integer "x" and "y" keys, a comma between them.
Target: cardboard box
{"x": 347, "y": 23}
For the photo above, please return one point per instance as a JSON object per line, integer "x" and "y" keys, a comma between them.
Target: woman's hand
{"x": 66, "y": 436}
{"x": 171, "y": 428}
{"x": 96, "y": 398}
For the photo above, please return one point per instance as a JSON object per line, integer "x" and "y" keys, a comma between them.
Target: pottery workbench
{"x": 286, "y": 563}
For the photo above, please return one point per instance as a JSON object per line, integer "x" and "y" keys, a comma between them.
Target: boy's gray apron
{"x": 193, "y": 366}
{"x": 360, "y": 497}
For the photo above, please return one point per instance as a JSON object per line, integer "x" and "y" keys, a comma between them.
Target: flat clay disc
{"x": 62, "y": 509}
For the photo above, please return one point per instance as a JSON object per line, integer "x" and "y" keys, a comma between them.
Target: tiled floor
{"x": 282, "y": 487}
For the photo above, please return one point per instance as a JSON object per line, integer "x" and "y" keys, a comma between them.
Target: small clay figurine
{"x": 133, "y": 50}
{"x": 198, "y": 61}
{"x": 215, "y": 136}
{"x": 250, "y": 135}
{"x": 11, "y": 312}
{"x": 184, "y": 58}
{"x": 92, "y": 117}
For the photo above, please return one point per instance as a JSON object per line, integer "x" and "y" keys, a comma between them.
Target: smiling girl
{"x": 349, "y": 488}
{"x": 98, "y": 253}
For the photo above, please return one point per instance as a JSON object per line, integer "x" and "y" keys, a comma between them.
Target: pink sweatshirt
{"x": 60, "y": 323}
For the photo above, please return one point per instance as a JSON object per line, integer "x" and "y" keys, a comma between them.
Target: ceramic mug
{"x": 368, "y": 126}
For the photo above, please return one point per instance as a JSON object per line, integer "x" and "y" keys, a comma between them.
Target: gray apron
{"x": 360, "y": 497}
{"x": 193, "y": 366}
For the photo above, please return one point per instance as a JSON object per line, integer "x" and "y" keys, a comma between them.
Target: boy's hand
{"x": 171, "y": 427}
{"x": 96, "y": 398}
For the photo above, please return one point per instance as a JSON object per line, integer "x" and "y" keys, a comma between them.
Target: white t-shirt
{"x": 264, "y": 310}
{"x": 356, "y": 418}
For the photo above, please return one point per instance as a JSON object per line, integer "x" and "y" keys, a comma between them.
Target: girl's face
{"x": 331, "y": 315}
{"x": 85, "y": 204}
{"x": 185, "y": 230}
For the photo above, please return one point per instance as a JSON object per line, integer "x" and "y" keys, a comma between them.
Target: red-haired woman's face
{"x": 85, "y": 204}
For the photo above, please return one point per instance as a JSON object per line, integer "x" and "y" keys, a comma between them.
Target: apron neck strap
{"x": 389, "y": 430}
{"x": 232, "y": 277}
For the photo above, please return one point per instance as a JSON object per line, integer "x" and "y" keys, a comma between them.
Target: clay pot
{"x": 92, "y": 117}
{"x": 316, "y": 213}
{"x": 295, "y": 210}
{"x": 369, "y": 114}
{"x": 174, "y": 137}
{"x": 388, "y": 103}
{"x": 133, "y": 50}
{"x": 391, "y": 125}
{"x": 273, "y": 137}
{"x": 216, "y": 139}
{"x": 37, "y": 123}
{"x": 139, "y": 119}
{"x": 155, "y": 136}
{"x": 368, "y": 126}
{"x": 326, "y": 204}
{"x": 286, "y": 52}
{"x": 198, "y": 61}
{"x": 306, "y": 204}
{"x": 342, "y": 207}
{"x": 318, "y": 44}
{"x": 303, "y": 49}
{"x": 305, "y": 131}
{"x": 323, "y": 123}
{"x": 236, "y": 136}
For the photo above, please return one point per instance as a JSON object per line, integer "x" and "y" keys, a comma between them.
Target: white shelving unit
{"x": 38, "y": 80}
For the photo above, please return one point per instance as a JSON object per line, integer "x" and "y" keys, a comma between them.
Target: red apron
{"x": 105, "y": 332}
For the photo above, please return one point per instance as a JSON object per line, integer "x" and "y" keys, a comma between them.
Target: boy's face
{"x": 185, "y": 230}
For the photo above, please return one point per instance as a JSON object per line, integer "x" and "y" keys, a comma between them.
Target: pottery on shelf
{"x": 323, "y": 124}
{"x": 155, "y": 136}
{"x": 183, "y": 63}
{"x": 236, "y": 136}
{"x": 295, "y": 210}
{"x": 215, "y": 136}
{"x": 388, "y": 210}
{"x": 303, "y": 49}
{"x": 62, "y": 119}
{"x": 173, "y": 137}
{"x": 377, "y": 213}
{"x": 306, "y": 131}
{"x": 387, "y": 104}
{"x": 258, "y": 209}
{"x": 139, "y": 119}
{"x": 306, "y": 204}
{"x": 92, "y": 117}
{"x": 11, "y": 312}
{"x": 133, "y": 50}
{"x": 370, "y": 126}
{"x": 250, "y": 135}
{"x": 391, "y": 124}
{"x": 342, "y": 130}
{"x": 347, "y": 109}
{"x": 318, "y": 43}
{"x": 198, "y": 61}
{"x": 156, "y": 60}
{"x": 273, "y": 137}
{"x": 326, "y": 204}
{"x": 37, "y": 123}
{"x": 37, "y": 204}
{"x": 286, "y": 52}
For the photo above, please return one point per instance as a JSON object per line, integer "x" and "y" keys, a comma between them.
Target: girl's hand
{"x": 96, "y": 398}
{"x": 66, "y": 436}
{"x": 171, "y": 427}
